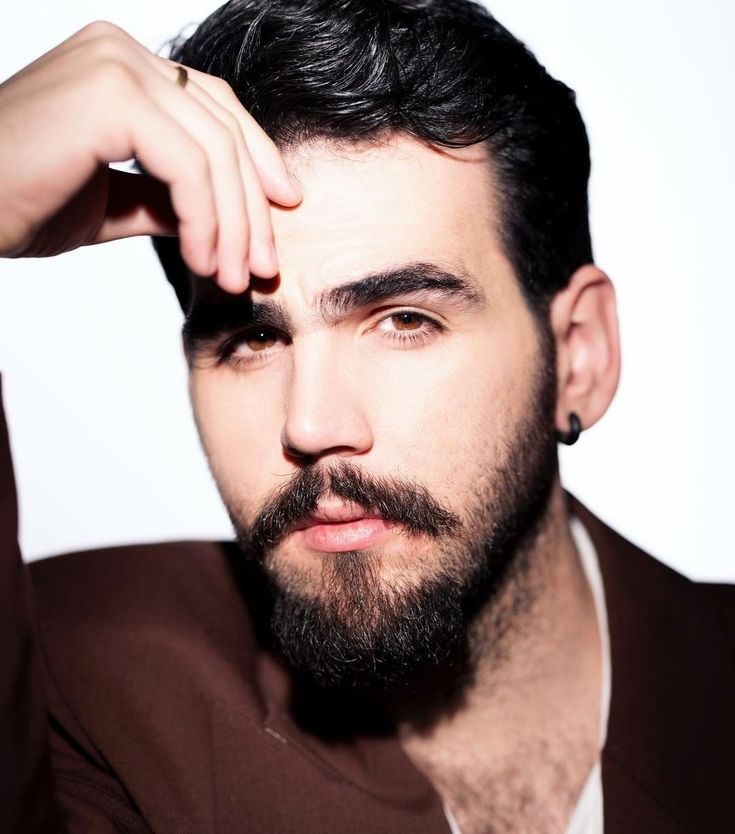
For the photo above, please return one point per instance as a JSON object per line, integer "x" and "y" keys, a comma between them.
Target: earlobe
{"x": 584, "y": 321}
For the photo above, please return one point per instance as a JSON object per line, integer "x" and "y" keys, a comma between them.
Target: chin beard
{"x": 352, "y": 632}
{"x": 357, "y": 634}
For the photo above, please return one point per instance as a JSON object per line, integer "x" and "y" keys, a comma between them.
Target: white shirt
{"x": 587, "y": 816}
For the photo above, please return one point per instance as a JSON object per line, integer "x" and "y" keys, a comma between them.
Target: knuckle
{"x": 99, "y": 29}
{"x": 227, "y": 95}
{"x": 224, "y": 142}
{"x": 222, "y": 86}
{"x": 113, "y": 73}
{"x": 106, "y": 47}
{"x": 233, "y": 127}
{"x": 258, "y": 205}
{"x": 197, "y": 162}
{"x": 198, "y": 227}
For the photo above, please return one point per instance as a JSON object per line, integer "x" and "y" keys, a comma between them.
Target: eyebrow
{"x": 409, "y": 279}
{"x": 208, "y": 320}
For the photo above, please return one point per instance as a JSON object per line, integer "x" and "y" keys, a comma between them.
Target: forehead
{"x": 371, "y": 208}
{"x": 367, "y": 207}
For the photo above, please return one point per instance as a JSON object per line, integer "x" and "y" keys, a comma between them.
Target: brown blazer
{"x": 139, "y": 694}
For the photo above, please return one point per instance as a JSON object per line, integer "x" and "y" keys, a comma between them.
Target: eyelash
{"x": 430, "y": 327}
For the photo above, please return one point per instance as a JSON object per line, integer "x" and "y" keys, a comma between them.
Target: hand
{"x": 101, "y": 97}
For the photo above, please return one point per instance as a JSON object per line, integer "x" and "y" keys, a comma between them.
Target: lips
{"x": 335, "y": 514}
{"x": 342, "y": 527}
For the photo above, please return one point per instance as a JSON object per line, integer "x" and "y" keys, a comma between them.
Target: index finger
{"x": 277, "y": 183}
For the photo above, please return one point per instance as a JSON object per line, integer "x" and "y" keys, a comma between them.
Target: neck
{"x": 536, "y": 672}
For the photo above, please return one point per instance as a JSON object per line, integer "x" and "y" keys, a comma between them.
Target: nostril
{"x": 293, "y": 452}
{"x": 323, "y": 418}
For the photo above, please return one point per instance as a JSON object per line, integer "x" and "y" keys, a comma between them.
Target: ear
{"x": 584, "y": 320}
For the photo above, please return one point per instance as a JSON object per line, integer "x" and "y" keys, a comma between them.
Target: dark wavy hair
{"x": 443, "y": 71}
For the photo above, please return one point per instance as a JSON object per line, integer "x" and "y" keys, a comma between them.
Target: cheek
{"x": 441, "y": 415}
{"x": 240, "y": 429}
{"x": 450, "y": 409}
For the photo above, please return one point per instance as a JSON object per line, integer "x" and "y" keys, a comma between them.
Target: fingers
{"x": 172, "y": 155}
{"x": 263, "y": 169}
{"x": 245, "y": 228}
{"x": 260, "y": 254}
{"x": 220, "y": 146}
{"x": 221, "y": 167}
{"x": 268, "y": 160}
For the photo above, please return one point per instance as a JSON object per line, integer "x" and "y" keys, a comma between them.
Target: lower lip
{"x": 350, "y": 535}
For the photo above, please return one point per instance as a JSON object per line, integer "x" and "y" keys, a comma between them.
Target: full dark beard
{"x": 352, "y": 632}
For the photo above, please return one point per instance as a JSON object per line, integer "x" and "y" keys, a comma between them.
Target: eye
{"x": 409, "y": 326}
{"x": 259, "y": 340}
{"x": 407, "y": 320}
{"x": 252, "y": 345}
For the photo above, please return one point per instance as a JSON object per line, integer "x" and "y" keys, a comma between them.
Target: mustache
{"x": 395, "y": 499}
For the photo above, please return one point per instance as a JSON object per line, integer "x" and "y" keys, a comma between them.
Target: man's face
{"x": 391, "y": 372}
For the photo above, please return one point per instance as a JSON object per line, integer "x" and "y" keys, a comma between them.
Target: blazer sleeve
{"x": 48, "y": 781}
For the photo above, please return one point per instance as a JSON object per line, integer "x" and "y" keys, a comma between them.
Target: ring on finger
{"x": 182, "y": 76}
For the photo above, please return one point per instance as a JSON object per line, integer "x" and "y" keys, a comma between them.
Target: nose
{"x": 325, "y": 405}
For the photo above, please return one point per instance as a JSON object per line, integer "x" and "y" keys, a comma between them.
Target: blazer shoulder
{"x": 720, "y": 597}
{"x": 114, "y": 598}
{"x": 632, "y": 575}
{"x": 143, "y": 649}
{"x": 124, "y": 580}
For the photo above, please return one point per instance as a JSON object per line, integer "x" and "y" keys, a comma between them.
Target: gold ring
{"x": 182, "y": 77}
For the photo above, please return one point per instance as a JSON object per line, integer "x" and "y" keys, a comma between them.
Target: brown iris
{"x": 260, "y": 340}
{"x": 406, "y": 321}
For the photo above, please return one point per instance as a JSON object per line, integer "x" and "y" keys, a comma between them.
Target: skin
{"x": 353, "y": 391}
{"x": 438, "y": 410}
{"x": 213, "y": 170}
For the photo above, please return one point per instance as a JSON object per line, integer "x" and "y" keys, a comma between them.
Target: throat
{"x": 534, "y": 790}
{"x": 510, "y": 748}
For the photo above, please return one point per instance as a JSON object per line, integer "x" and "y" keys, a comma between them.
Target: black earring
{"x": 575, "y": 429}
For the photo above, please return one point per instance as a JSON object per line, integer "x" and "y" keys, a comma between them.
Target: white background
{"x": 95, "y": 386}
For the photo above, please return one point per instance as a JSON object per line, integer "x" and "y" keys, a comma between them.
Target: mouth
{"x": 342, "y": 527}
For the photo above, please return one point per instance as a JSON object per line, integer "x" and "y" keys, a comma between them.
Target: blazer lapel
{"x": 667, "y": 764}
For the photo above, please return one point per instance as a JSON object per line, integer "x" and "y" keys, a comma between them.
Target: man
{"x": 416, "y": 629}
